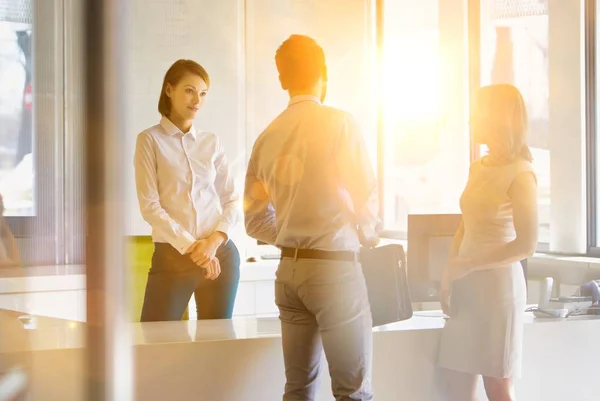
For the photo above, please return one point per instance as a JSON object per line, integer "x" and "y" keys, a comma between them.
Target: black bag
{"x": 385, "y": 273}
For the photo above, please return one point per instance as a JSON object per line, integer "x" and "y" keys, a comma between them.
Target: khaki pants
{"x": 323, "y": 306}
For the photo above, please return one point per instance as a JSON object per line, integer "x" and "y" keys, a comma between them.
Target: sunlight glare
{"x": 411, "y": 78}
{"x": 411, "y": 97}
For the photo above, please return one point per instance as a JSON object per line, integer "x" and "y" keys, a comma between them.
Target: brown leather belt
{"x": 347, "y": 256}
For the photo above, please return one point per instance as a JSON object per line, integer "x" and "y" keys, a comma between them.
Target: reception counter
{"x": 241, "y": 359}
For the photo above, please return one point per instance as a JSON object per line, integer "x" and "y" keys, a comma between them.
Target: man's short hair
{"x": 300, "y": 62}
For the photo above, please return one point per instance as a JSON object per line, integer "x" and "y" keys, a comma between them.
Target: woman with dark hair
{"x": 484, "y": 288}
{"x": 186, "y": 193}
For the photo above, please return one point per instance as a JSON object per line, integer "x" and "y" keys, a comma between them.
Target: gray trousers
{"x": 323, "y": 306}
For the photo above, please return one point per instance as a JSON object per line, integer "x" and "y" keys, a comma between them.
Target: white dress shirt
{"x": 184, "y": 185}
{"x": 309, "y": 181}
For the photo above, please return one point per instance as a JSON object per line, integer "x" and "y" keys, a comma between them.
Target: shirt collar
{"x": 171, "y": 129}
{"x": 303, "y": 98}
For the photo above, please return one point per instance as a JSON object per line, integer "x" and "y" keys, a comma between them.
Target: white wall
{"x": 209, "y": 32}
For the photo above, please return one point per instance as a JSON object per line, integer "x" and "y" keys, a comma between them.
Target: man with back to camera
{"x": 311, "y": 191}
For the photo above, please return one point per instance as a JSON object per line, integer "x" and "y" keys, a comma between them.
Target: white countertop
{"x": 72, "y": 277}
{"x": 52, "y": 333}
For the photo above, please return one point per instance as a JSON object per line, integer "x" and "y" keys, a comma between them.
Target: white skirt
{"x": 484, "y": 334}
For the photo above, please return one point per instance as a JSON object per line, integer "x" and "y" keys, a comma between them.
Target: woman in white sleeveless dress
{"x": 484, "y": 288}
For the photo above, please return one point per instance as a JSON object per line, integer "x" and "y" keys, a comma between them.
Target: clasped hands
{"x": 457, "y": 268}
{"x": 203, "y": 251}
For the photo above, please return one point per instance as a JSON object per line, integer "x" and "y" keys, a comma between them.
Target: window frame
{"x": 474, "y": 79}
{"x": 42, "y": 237}
{"x": 591, "y": 63}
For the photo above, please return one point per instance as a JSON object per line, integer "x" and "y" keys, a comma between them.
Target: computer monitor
{"x": 430, "y": 238}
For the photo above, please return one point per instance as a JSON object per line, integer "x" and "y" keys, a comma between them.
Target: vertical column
{"x": 380, "y": 120}
{"x": 45, "y": 244}
{"x": 74, "y": 157}
{"x": 453, "y": 48}
{"x": 109, "y": 348}
{"x": 474, "y": 32}
{"x": 568, "y": 218}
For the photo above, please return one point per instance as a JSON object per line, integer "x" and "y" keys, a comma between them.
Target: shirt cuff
{"x": 368, "y": 231}
{"x": 183, "y": 243}
{"x": 224, "y": 227}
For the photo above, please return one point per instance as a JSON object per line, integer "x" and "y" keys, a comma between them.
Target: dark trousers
{"x": 174, "y": 277}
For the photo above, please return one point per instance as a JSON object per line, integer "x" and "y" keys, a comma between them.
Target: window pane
{"x": 514, "y": 50}
{"x": 16, "y": 109}
{"x": 425, "y": 103}
{"x": 32, "y": 127}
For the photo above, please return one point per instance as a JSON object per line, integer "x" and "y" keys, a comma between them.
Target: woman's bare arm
{"x": 457, "y": 241}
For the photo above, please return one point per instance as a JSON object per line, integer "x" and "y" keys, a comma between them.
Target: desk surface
{"x": 51, "y": 333}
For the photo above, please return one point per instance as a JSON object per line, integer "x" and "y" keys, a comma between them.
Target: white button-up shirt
{"x": 309, "y": 181}
{"x": 184, "y": 185}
